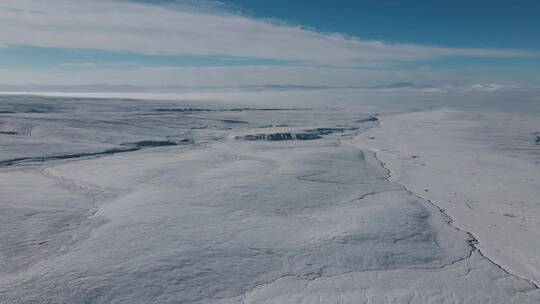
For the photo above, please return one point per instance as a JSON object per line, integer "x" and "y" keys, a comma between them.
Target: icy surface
{"x": 463, "y": 282}
{"x": 482, "y": 167}
{"x": 126, "y": 201}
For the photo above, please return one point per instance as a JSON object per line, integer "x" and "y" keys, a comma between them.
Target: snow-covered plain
{"x": 481, "y": 167}
{"x": 132, "y": 201}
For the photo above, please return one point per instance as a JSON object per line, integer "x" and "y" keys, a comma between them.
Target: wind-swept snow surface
{"x": 125, "y": 201}
{"x": 482, "y": 167}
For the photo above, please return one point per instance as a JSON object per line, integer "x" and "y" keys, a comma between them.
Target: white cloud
{"x": 193, "y": 76}
{"x": 257, "y": 75}
{"x": 180, "y": 29}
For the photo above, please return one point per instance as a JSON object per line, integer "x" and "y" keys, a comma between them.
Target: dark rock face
{"x": 129, "y": 147}
{"x": 537, "y": 141}
{"x": 280, "y": 136}
{"x": 327, "y": 131}
{"x": 233, "y": 121}
{"x": 369, "y": 119}
{"x": 153, "y": 143}
{"x": 188, "y": 109}
{"x": 305, "y": 135}
{"x": 23, "y": 160}
{"x": 182, "y": 110}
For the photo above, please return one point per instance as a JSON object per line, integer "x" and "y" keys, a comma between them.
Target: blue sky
{"x": 246, "y": 42}
{"x": 458, "y": 23}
